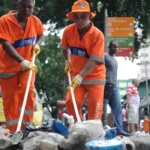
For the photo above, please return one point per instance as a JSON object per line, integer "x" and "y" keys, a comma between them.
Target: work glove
{"x": 29, "y": 65}
{"x": 36, "y": 49}
{"x": 67, "y": 66}
{"x": 75, "y": 82}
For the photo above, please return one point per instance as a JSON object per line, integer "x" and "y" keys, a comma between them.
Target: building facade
{"x": 144, "y": 63}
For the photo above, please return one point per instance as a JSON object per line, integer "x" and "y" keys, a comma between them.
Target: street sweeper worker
{"x": 86, "y": 44}
{"x": 21, "y": 33}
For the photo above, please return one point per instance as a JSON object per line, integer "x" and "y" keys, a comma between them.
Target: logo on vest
{"x": 28, "y": 42}
{"x": 81, "y": 53}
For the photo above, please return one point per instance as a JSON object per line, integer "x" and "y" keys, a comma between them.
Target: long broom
{"x": 73, "y": 99}
{"x": 25, "y": 98}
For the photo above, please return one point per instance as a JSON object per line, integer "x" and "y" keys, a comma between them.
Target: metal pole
{"x": 145, "y": 64}
{"x": 105, "y": 48}
{"x": 105, "y": 28}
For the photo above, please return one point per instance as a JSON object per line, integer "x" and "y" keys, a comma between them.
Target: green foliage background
{"x": 50, "y": 79}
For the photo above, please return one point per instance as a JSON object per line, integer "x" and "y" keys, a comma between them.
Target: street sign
{"x": 120, "y": 27}
{"x": 125, "y": 51}
{"x": 121, "y": 30}
{"x": 122, "y": 42}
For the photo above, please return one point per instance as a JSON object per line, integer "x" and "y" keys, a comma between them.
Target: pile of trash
{"x": 54, "y": 135}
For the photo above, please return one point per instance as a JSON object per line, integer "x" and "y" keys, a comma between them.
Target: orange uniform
{"x": 91, "y": 46}
{"x": 13, "y": 80}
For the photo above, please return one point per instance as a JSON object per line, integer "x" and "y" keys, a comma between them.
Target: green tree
{"x": 139, "y": 9}
{"x": 6, "y": 6}
{"x": 54, "y": 11}
{"x": 50, "y": 78}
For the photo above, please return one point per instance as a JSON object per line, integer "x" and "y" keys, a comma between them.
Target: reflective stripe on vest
{"x": 7, "y": 75}
{"x": 96, "y": 58}
{"x": 27, "y": 112}
{"x": 15, "y": 122}
{"x": 93, "y": 82}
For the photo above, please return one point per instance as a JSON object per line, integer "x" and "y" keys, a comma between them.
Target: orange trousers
{"x": 13, "y": 91}
{"x": 94, "y": 93}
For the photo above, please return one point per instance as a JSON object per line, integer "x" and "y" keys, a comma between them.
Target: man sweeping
{"x": 86, "y": 44}
{"x": 21, "y": 33}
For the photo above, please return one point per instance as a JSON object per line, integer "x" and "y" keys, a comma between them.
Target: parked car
{"x": 38, "y": 113}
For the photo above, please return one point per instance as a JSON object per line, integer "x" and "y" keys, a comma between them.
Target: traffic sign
{"x": 125, "y": 51}
{"x": 120, "y": 27}
{"x": 122, "y": 42}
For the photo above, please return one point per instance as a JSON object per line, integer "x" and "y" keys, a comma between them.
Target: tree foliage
{"x": 54, "y": 11}
{"x": 50, "y": 61}
{"x": 139, "y": 9}
{"x": 50, "y": 78}
{"x": 6, "y": 5}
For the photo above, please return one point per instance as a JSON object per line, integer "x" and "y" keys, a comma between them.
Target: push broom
{"x": 25, "y": 98}
{"x": 73, "y": 99}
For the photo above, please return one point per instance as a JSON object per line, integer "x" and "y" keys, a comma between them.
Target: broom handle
{"x": 73, "y": 99}
{"x": 25, "y": 98}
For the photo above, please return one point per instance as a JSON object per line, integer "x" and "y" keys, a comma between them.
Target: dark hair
{"x": 111, "y": 43}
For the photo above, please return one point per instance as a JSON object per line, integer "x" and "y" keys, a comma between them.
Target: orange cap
{"x": 80, "y": 6}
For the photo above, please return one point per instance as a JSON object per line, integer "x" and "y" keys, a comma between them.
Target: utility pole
{"x": 105, "y": 48}
{"x": 105, "y": 28}
{"x": 146, "y": 80}
{"x": 145, "y": 63}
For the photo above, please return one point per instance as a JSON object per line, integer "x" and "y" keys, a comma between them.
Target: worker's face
{"x": 81, "y": 19}
{"x": 113, "y": 48}
{"x": 25, "y": 8}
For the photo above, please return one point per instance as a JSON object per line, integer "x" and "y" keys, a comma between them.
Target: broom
{"x": 73, "y": 99}
{"x": 25, "y": 98}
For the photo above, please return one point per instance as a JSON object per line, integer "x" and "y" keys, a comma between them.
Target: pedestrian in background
{"x": 124, "y": 119}
{"x": 111, "y": 91}
{"x": 133, "y": 103}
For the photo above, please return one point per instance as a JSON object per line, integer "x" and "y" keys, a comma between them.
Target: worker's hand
{"x": 36, "y": 49}
{"x": 67, "y": 66}
{"x": 75, "y": 82}
{"x": 29, "y": 65}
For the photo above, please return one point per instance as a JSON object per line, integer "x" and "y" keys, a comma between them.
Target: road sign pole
{"x": 145, "y": 64}
{"x": 105, "y": 48}
{"x": 146, "y": 80}
{"x": 105, "y": 28}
